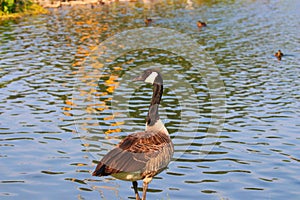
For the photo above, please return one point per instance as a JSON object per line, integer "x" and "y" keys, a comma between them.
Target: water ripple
{"x": 50, "y": 141}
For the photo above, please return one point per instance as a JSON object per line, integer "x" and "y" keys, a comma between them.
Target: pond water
{"x": 232, "y": 108}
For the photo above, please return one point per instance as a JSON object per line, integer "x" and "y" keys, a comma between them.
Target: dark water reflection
{"x": 60, "y": 112}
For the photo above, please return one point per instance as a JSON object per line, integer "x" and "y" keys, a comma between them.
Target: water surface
{"x": 60, "y": 112}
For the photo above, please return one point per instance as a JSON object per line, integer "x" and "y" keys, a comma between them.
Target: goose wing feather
{"x": 133, "y": 153}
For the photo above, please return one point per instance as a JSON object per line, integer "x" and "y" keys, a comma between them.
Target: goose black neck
{"x": 153, "y": 115}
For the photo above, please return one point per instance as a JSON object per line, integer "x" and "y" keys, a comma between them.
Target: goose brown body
{"x": 141, "y": 155}
{"x": 137, "y": 156}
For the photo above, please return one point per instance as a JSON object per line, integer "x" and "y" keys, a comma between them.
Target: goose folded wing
{"x": 132, "y": 153}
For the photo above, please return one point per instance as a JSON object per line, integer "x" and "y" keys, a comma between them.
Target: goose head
{"x": 150, "y": 76}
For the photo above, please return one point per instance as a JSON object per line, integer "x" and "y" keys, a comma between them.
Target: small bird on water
{"x": 201, "y": 24}
{"x": 148, "y": 21}
{"x": 141, "y": 155}
{"x": 278, "y": 54}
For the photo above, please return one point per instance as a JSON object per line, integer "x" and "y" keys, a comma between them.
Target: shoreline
{"x": 58, "y": 4}
{"x": 44, "y": 7}
{"x": 34, "y": 9}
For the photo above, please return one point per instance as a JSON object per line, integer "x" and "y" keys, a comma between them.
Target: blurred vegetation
{"x": 17, "y": 8}
{"x": 14, "y": 6}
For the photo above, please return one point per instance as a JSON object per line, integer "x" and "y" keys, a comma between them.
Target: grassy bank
{"x": 11, "y": 9}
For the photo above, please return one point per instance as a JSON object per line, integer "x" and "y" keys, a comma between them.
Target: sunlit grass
{"x": 32, "y": 9}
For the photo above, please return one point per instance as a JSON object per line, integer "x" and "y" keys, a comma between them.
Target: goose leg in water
{"x": 137, "y": 196}
{"x": 145, "y": 186}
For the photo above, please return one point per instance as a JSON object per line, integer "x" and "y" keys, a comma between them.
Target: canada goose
{"x": 278, "y": 54}
{"x": 141, "y": 155}
{"x": 201, "y": 24}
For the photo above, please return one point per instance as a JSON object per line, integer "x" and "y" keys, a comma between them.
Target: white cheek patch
{"x": 151, "y": 78}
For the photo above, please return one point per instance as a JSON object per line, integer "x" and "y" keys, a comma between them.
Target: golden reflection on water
{"x": 95, "y": 100}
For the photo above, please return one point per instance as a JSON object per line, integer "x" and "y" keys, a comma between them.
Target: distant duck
{"x": 141, "y": 155}
{"x": 148, "y": 21}
{"x": 278, "y": 54}
{"x": 201, "y": 24}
